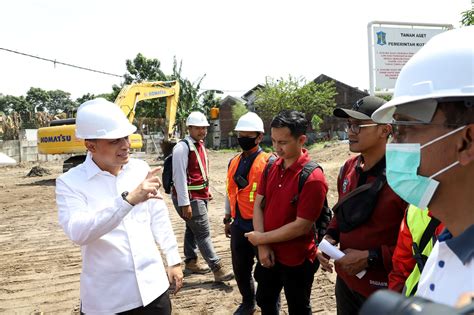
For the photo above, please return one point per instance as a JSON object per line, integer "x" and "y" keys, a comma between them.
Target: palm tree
{"x": 188, "y": 97}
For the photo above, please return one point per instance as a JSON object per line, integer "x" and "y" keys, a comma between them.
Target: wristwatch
{"x": 226, "y": 220}
{"x": 373, "y": 258}
{"x": 124, "y": 197}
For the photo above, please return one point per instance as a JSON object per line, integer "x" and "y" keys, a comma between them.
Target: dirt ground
{"x": 40, "y": 267}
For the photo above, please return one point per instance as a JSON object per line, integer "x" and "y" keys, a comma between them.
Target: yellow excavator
{"x": 59, "y": 137}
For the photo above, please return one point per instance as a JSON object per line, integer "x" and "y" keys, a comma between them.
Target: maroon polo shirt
{"x": 379, "y": 233}
{"x": 279, "y": 187}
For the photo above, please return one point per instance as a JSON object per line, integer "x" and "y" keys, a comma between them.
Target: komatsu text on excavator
{"x": 59, "y": 137}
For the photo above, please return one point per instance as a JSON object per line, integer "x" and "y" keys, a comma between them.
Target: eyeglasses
{"x": 355, "y": 128}
{"x": 401, "y": 128}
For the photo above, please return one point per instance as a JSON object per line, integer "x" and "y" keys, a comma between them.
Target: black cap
{"x": 362, "y": 109}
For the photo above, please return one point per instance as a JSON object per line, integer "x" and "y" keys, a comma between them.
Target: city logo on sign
{"x": 381, "y": 40}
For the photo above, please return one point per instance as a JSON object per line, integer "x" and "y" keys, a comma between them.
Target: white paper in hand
{"x": 330, "y": 250}
{"x": 334, "y": 252}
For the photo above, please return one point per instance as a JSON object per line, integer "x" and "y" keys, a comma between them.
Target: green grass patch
{"x": 320, "y": 145}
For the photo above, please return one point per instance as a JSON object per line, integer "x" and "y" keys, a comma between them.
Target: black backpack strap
{"x": 322, "y": 222}
{"x": 269, "y": 165}
{"x": 305, "y": 172}
{"x": 270, "y": 162}
{"x": 425, "y": 238}
{"x": 189, "y": 149}
{"x": 167, "y": 174}
{"x": 429, "y": 232}
{"x": 187, "y": 143}
{"x": 308, "y": 168}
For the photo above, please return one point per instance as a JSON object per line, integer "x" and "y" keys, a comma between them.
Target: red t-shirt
{"x": 279, "y": 187}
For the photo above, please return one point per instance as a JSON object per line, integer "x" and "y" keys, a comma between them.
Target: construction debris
{"x": 38, "y": 171}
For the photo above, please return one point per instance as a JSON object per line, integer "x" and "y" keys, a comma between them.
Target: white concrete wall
{"x": 26, "y": 151}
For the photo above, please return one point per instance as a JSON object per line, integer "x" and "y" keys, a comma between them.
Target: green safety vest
{"x": 422, "y": 228}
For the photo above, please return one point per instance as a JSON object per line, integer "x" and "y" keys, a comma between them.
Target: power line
{"x": 220, "y": 90}
{"x": 97, "y": 71}
{"x": 61, "y": 63}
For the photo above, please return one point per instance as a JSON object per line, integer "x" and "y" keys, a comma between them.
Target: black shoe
{"x": 245, "y": 309}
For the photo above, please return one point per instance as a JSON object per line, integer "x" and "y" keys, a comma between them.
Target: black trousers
{"x": 348, "y": 301}
{"x": 243, "y": 259}
{"x": 160, "y": 306}
{"x": 296, "y": 282}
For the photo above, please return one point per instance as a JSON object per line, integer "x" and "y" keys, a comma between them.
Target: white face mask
{"x": 403, "y": 160}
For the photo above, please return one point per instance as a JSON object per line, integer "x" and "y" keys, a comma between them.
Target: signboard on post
{"x": 391, "y": 47}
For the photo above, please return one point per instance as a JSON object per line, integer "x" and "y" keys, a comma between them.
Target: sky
{"x": 236, "y": 44}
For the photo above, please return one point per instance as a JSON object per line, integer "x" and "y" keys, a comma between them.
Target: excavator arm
{"x": 130, "y": 95}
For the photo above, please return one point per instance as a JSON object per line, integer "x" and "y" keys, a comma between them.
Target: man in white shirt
{"x": 110, "y": 206}
{"x": 431, "y": 160}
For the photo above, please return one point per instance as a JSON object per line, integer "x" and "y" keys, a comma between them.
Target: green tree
{"x": 17, "y": 106}
{"x": 60, "y": 102}
{"x": 4, "y": 104}
{"x": 38, "y": 99}
{"x": 295, "y": 93}
{"x": 316, "y": 122}
{"x": 188, "y": 97}
{"x": 386, "y": 97}
{"x": 112, "y": 95}
{"x": 238, "y": 110}
{"x": 467, "y": 17}
{"x": 143, "y": 69}
{"x": 85, "y": 98}
{"x": 209, "y": 100}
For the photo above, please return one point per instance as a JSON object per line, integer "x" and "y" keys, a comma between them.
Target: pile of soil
{"x": 38, "y": 171}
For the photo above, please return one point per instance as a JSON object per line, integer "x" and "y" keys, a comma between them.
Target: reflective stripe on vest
{"x": 245, "y": 197}
{"x": 197, "y": 187}
{"x": 417, "y": 221}
{"x": 252, "y": 192}
{"x": 204, "y": 172}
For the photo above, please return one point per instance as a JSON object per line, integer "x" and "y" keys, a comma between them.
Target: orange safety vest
{"x": 245, "y": 197}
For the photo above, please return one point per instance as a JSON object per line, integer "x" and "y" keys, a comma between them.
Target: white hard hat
{"x": 101, "y": 119}
{"x": 197, "y": 119}
{"x": 443, "y": 68}
{"x": 249, "y": 122}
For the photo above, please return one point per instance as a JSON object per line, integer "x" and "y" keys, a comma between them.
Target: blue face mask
{"x": 403, "y": 160}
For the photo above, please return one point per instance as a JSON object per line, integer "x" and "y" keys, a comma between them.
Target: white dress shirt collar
{"x": 93, "y": 169}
